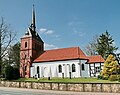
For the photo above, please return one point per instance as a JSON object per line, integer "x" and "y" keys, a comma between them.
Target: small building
{"x": 95, "y": 65}
{"x": 63, "y": 62}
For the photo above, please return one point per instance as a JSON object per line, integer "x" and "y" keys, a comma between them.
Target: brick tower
{"x": 31, "y": 47}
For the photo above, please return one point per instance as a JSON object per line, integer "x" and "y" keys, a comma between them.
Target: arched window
{"x": 83, "y": 67}
{"x": 25, "y": 44}
{"x": 60, "y": 69}
{"x": 25, "y": 68}
{"x": 37, "y": 69}
{"x": 73, "y": 68}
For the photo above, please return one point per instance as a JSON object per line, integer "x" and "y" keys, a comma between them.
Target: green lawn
{"x": 73, "y": 80}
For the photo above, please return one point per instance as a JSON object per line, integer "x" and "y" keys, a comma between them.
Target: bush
{"x": 113, "y": 77}
{"x": 99, "y": 77}
{"x": 16, "y": 73}
{"x": 105, "y": 77}
{"x": 11, "y": 73}
{"x": 8, "y": 72}
{"x": 119, "y": 79}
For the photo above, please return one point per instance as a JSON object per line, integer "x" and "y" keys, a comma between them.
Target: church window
{"x": 37, "y": 69}
{"x": 25, "y": 68}
{"x": 73, "y": 68}
{"x": 60, "y": 68}
{"x": 83, "y": 67}
{"x": 25, "y": 44}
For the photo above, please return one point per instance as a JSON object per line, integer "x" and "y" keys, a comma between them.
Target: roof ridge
{"x": 62, "y": 48}
{"x": 61, "y": 54}
{"x": 95, "y": 59}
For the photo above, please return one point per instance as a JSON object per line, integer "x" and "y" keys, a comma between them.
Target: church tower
{"x": 31, "y": 47}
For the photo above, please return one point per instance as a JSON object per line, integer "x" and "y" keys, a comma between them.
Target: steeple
{"x": 33, "y": 19}
{"x": 31, "y": 47}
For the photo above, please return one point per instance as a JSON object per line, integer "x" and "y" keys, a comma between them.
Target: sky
{"x": 64, "y": 23}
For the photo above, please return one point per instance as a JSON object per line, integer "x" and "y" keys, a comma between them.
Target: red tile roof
{"x": 61, "y": 54}
{"x": 67, "y": 54}
{"x": 96, "y": 59}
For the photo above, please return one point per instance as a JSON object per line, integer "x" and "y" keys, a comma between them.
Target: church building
{"x": 35, "y": 61}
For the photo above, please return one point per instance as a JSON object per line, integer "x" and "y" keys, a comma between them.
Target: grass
{"x": 65, "y": 80}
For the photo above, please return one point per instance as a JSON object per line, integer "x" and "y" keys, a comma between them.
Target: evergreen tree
{"x": 105, "y": 45}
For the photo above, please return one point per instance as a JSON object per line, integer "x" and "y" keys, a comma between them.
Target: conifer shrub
{"x": 110, "y": 69}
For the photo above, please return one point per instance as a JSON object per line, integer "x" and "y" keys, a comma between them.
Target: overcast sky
{"x": 64, "y": 23}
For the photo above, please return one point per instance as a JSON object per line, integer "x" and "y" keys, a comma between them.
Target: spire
{"x": 33, "y": 19}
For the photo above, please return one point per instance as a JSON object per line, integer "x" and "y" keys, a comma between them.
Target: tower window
{"x": 60, "y": 68}
{"x": 25, "y": 44}
{"x": 73, "y": 67}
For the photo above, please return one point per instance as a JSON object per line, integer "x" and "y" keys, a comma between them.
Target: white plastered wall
{"x": 50, "y": 69}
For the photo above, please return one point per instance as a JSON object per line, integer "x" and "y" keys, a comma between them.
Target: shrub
{"x": 16, "y": 73}
{"x": 105, "y": 77}
{"x": 8, "y": 72}
{"x": 113, "y": 77}
{"x": 119, "y": 78}
{"x": 99, "y": 77}
{"x": 11, "y": 73}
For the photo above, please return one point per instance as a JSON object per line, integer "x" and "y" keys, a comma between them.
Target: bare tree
{"x": 90, "y": 49}
{"x": 6, "y": 38}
